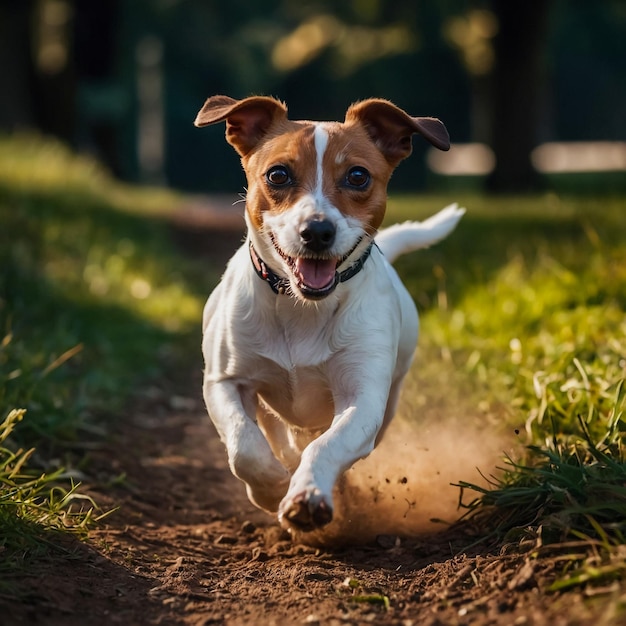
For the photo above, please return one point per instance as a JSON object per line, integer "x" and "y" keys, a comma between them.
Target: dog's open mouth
{"x": 315, "y": 277}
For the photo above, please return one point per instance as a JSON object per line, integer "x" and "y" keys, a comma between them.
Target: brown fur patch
{"x": 292, "y": 145}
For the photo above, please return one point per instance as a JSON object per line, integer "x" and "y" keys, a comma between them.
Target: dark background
{"x": 123, "y": 79}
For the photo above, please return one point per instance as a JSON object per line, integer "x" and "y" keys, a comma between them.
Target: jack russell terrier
{"x": 310, "y": 332}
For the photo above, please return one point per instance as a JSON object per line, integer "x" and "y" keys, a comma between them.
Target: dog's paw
{"x": 306, "y": 511}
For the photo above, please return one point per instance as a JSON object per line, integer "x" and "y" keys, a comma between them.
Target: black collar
{"x": 280, "y": 284}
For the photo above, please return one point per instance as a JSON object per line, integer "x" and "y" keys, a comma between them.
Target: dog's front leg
{"x": 231, "y": 408}
{"x": 352, "y": 436}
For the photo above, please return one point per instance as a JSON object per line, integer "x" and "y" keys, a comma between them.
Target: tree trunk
{"x": 16, "y": 68}
{"x": 517, "y": 79}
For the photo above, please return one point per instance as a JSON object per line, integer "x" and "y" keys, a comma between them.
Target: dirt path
{"x": 186, "y": 548}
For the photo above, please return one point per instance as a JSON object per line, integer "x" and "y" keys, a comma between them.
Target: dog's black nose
{"x": 318, "y": 234}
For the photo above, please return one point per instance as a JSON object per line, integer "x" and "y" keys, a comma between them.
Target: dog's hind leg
{"x": 286, "y": 441}
{"x": 249, "y": 454}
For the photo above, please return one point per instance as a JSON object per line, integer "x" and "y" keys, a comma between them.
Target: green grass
{"x": 34, "y": 506}
{"x": 95, "y": 300}
{"x": 93, "y": 296}
{"x": 525, "y": 303}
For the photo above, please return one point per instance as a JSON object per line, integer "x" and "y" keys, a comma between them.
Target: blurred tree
{"x": 16, "y": 64}
{"x": 51, "y": 53}
{"x": 516, "y": 85}
{"x": 587, "y": 52}
{"x": 36, "y": 61}
{"x": 99, "y": 101}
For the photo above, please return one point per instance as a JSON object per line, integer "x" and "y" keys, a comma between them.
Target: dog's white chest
{"x": 302, "y": 338}
{"x": 297, "y": 385}
{"x": 301, "y": 396}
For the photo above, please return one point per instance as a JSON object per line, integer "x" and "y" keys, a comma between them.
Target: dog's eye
{"x": 278, "y": 176}
{"x": 358, "y": 177}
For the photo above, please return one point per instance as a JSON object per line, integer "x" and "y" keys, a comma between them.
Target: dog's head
{"x": 317, "y": 191}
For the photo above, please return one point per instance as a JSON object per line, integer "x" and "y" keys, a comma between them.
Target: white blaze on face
{"x": 316, "y": 273}
{"x": 321, "y": 143}
{"x": 349, "y": 230}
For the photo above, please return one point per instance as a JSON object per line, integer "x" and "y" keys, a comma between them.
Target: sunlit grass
{"x": 34, "y": 505}
{"x": 29, "y": 163}
{"x": 524, "y": 306}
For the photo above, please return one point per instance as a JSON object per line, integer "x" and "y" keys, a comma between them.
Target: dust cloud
{"x": 406, "y": 486}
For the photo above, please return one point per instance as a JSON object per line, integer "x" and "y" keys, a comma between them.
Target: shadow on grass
{"x": 92, "y": 301}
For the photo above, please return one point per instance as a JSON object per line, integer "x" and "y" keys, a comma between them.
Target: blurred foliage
{"x": 93, "y": 297}
{"x": 431, "y": 58}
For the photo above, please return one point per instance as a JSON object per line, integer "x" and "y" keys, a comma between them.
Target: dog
{"x": 308, "y": 335}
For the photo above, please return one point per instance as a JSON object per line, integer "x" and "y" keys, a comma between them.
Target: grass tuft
{"x": 34, "y": 505}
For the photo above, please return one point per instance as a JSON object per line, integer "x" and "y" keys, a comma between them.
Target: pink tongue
{"x": 316, "y": 273}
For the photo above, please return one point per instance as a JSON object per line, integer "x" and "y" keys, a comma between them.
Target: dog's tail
{"x": 400, "y": 239}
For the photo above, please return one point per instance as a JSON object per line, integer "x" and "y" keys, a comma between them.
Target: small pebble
{"x": 226, "y": 539}
{"x": 248, "y": 527}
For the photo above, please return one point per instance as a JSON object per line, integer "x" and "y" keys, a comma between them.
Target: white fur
{"x": 300, "y": 390}
{"x": 321, "y": 142}
{"x": 400, "y": 239}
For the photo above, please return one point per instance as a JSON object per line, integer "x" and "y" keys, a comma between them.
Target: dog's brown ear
{"x": 391, "y": 128}
{"x": 247, "y": 121}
